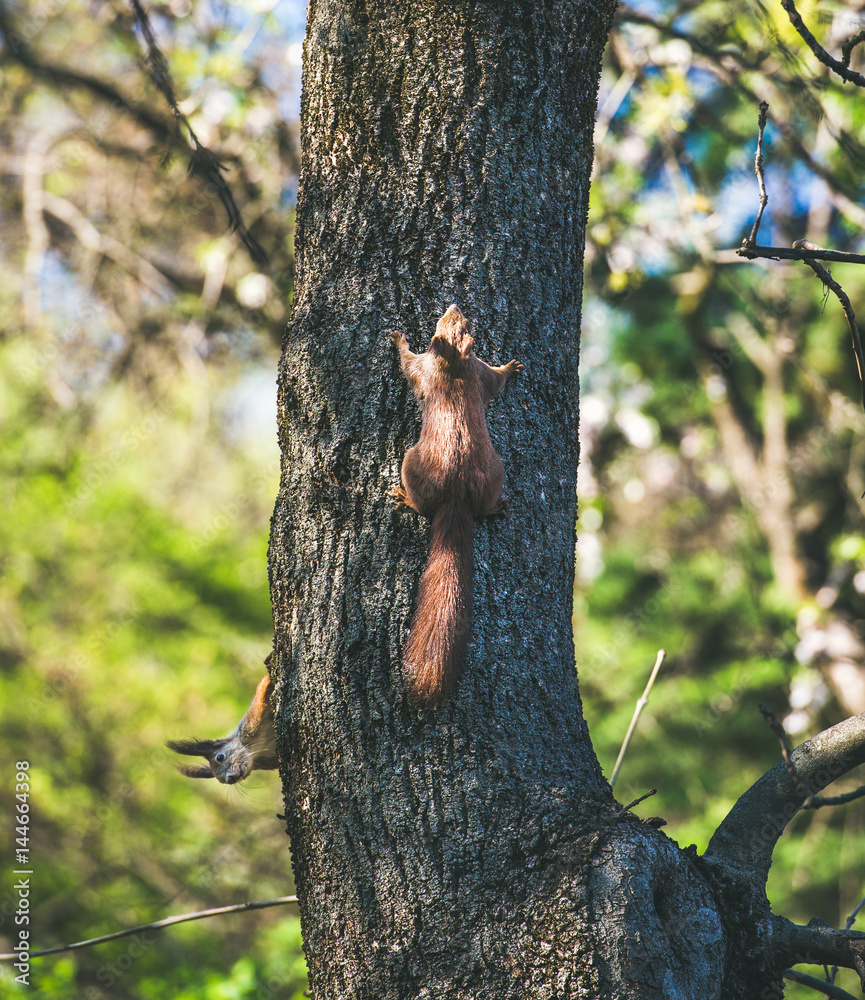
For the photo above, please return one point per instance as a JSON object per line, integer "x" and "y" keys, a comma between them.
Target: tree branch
{"x": 799, "y": 253}
{"x": 747, "y": 836}
{"x": 807, "y": 252}
{"x": 848, "y": 46}
{"x": 847, "y": 925}
{"x": 810, "y": 254}
{"x": 642, "y": 701}
{"x": 841, "y": 68}
{"x": 810, "y": 798}
{"x": 817, "y": 944}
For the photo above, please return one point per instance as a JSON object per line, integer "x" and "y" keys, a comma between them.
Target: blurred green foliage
{"x": 722, "y": 458}
{"x": 138, "y": 468}
{"x": 135, "y": 608}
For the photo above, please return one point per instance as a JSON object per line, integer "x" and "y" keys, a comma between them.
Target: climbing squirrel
{"x": 251, "y": 747}
{"x": 452, "y": 475}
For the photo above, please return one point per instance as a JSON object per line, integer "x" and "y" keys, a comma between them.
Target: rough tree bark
{"x": 476, "y": 851}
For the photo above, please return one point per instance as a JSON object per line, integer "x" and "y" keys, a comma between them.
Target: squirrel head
{"x": 452, "y": 341}
{"x": 228, "y": 760}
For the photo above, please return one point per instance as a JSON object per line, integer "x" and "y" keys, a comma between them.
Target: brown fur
{"x": 251, "y": 747}
{"x": 452, "y": 475}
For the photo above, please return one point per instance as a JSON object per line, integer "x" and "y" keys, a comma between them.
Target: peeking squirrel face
{"x": 227, "y": 761}
{"x": 251, "y": 747}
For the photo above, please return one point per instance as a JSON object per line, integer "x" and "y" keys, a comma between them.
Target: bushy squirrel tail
{"x": 436, "y": 646}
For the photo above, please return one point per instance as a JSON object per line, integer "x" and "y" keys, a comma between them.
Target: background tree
{"x": 138, "y": 465}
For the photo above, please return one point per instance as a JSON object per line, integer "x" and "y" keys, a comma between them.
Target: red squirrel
{"x": 452, "y": 475}
{"x": 251, "y": 747}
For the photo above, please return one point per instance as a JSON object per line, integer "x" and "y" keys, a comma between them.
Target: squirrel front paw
{"x": 398, "y": 338}
{"x": 515, "y": 367}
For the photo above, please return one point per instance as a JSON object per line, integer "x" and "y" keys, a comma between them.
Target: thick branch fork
{"x": 746, "y": 838}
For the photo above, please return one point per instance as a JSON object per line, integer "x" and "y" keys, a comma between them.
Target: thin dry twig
{"x": 259, "y": 904}
{"x": 811, "y": 799}
{"x": 638, "y": 710}
{"x": 642, "y": 798}
{"x": 758, "y": 170}
{"x": 802, "y": 250}
{"x": 842, "y": 68}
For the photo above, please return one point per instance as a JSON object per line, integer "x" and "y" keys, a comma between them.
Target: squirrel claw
{"x": 396, "y": 336}
{"x": 501, "y": 507}
{"x": 401, "y": 497}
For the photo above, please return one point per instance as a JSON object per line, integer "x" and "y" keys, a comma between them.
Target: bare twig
{"x": 840, "y": 67}
{"x": 804, "y": 789}
{"x": 638, "y": 710}
{"x": 820, "y": 985}
{"x": 852, "y": 918}
{"x": 758, "y": 170}
{"x": 839, "y": 800}
{"x": 259, "y": 904}
{"x": 642, "y": 798}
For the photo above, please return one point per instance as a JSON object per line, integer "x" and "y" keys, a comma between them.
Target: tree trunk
{"x": 475, "y": 851}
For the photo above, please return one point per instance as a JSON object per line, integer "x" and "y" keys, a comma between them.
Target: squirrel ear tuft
{"x": 196, "y": 772}
{"x": 194, "y": 748}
